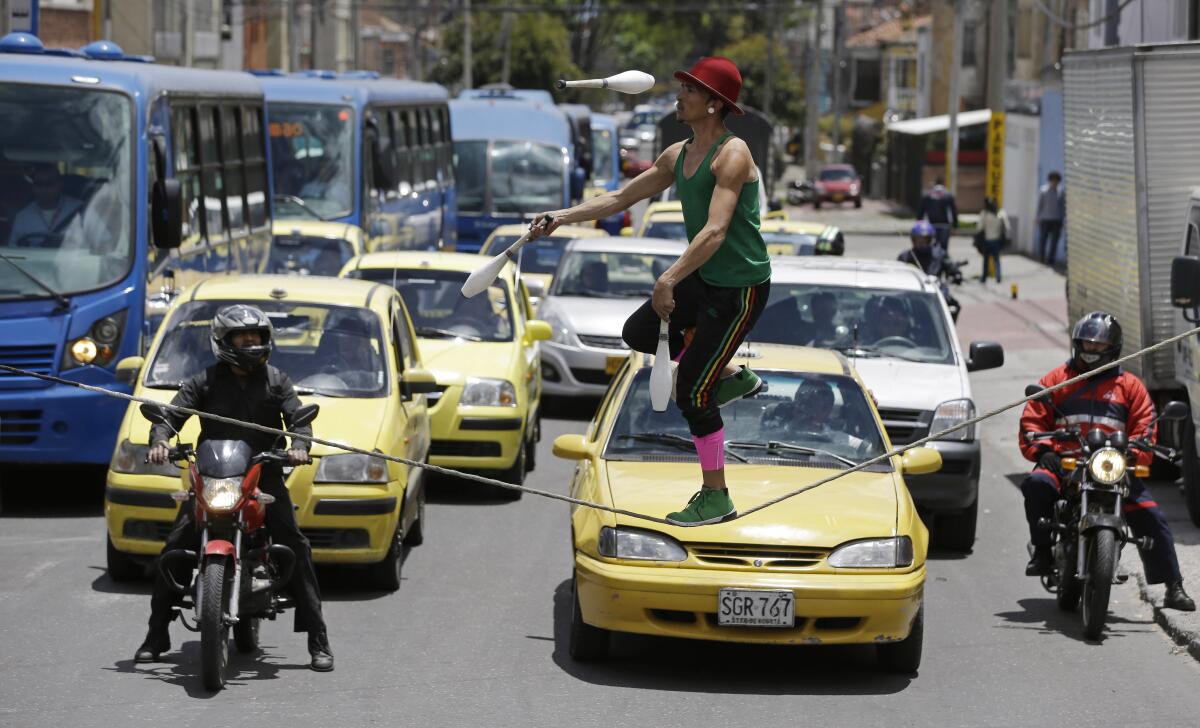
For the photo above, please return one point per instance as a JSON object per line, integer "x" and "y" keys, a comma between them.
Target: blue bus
{"x": 120, "y": 182}
{"x": 606, "y": 168}
{"x": 355, "y": 148}
{"x": 512, "y": 159}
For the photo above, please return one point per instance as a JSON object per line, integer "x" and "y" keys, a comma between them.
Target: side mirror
{"x": 1174, "y": 410}
{"x": 128, "y": 368}
{"x": 1185, "y": 284}
{"x": 538, "y": 330}
{"x": 920, "y": 461}
{"x": 418, "y": 381}
{"x": 571, "y": 447}
{"x": 1032, "y": 389}
{"x": 305, "y": 415}
{"x": 166, "y": 213}
{"x": 156, "y": 414}
{"x": 627, "y": 232}
{"x": 984, "y": 355}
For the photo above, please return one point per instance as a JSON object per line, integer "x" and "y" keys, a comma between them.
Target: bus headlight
{"x": 1107, "y": 466}
{"x": 99, "y": 345}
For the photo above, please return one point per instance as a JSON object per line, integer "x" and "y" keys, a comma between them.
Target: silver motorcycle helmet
{"x": 240, "y": 317}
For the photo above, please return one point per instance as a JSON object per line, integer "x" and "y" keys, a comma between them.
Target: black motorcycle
{"x": 1088, "y": 529}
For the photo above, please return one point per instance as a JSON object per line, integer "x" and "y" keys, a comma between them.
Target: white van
{"x": 890, "y": 319}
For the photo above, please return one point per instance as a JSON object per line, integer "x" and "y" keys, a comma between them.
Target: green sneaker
{"x": 709, "y": 505}
{"x": 743, "y": 384}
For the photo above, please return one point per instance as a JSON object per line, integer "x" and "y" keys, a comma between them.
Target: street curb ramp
{"x": 1171, "y": 621}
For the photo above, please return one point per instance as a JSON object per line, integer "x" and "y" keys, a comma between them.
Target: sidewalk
{"x": 876, "y": 217}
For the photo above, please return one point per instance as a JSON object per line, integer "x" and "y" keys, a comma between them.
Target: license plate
{"x": 756, "y": 608}
{"x": 612, "y": 364}
{"x": 838, "y": 197}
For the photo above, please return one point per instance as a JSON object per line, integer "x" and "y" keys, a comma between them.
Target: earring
{"x": 712, "y": 110}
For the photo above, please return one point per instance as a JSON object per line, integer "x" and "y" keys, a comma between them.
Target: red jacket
{"x": 1114, "y": 400}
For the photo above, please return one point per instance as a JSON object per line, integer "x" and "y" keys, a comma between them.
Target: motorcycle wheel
{"x": 214, "y": 632}
{"x": 1191, "y": 471}
{"x": 1068, "y": 586}
{"x": 1102, "y": 562}
{"x": 245, "y": 634}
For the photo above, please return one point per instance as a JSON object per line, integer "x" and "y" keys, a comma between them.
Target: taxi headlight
{"x": 1107, "y": 465}
{"x": 222, "y": 494}
{"x": 949, "y": 414}
{"x": 130, "y": 458}
{"x": 481, "y": 392}
{"x": 874, "y": 553}
{"x": 633, "y": 543}
{"x": 351, "y": 468}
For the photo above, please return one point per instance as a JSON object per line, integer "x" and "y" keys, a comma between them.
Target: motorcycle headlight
{"x": 222, "y": 494}
{"x": 130, "y": 458}
{"x": 954, "y": 412}
{"x": 481, "y": 392}
{"x": 874, "y": 553}
{"x": 1107, "y": 465}
{"x": 351, "y": 468}
{"x": 561, "y": 331}
{"x": 633, "y": 543}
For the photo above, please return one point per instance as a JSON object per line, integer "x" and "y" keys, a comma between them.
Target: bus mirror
{"x": 166, "y": 210}
{"x": 387, "y": 168}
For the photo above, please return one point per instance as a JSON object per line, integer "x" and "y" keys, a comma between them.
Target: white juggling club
{"x": 660, "y": 373}
{"x": 629, "y": 82}
{"x": 484, "y": 275}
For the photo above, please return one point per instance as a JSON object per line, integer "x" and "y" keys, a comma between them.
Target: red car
{"x": 837, "y": 183}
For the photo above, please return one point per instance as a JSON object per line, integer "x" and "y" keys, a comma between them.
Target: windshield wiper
{"x": 63, "y": 301}
{"x": 447, "y": 333}
{"x": 789, "y": 447}
{"x": 299, "y": 202}
{"x": 670, "y": 438}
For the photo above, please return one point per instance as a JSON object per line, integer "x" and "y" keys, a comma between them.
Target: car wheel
{"x": 858, "y": 202}
{"x": 514, "y": 475}
{"x": 385, "y": 575}
{"x": 956, "y": 532}
{"x": 120, "y": 566}
{"x": 816, "y": 204}
{"x": 531, "y": 451}
{"x": 416, "y": 531}
{"x": 904, "y": 656}
{"x": 585, "y": 642}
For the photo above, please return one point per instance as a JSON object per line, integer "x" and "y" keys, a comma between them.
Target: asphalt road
{"x": 477, "y": 633}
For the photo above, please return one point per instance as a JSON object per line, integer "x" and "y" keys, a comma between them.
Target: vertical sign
{"x": 994, "y": 184}
{"x": 23, "y": 16}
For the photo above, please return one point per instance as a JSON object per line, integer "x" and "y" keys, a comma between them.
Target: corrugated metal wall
{"x": 1170, "y": 140}
{"x": 1100, "y": 187}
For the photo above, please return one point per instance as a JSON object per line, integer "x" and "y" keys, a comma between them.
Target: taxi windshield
{"x": 336, "y": 351}
{"x": 802, "y": 419}
{"x": 308, "y": 255}
{"x": 438, "y": 308}
{"x": 539, "y": 256}
{"x": 666, "y": 229}
{"x": 790, "y": 243}
{"x": 609, "y": 274}
{"x": 65, "y": 190}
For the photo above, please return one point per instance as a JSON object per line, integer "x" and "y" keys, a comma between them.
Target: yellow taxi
{"x": 843, "y": 563}
{"x": 347, "y": 346}
{"x": 483, "y": 353}
{"x": 312, "y": 247}
{"x": 796, "y": 237}
{"x": 538, "y": 259}
{"x": 661, "y": 220}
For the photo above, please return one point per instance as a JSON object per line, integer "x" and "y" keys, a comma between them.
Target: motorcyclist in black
{"x": 932, "y": 259}
{"x": 241, "y": 385}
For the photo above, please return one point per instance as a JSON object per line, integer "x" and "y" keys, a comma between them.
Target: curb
{"x": 1182, "y": 635}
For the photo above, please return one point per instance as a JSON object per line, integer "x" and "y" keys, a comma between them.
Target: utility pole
{"x": 312, "y": 34}
{"x": 955, "y": 72}
{"x": 812, "y": 93}
{"x": 186, "y": 37}
{"x": 506, "y": 22}
{"x": 467, "y": 61}
{"x": 769, "y": 92}
{"x": 839, "y": 31}
{"x": 997, "y": 64}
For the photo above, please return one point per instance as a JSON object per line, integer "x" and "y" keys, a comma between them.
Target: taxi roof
{"x": 663, "y": 216}
{"x": 307, "y": 289}
{"x": 794, "y": 226}
{"x": 781, "y": 356}
{"x": 854, "y": 272}
{"x": 664, "y": 206}
{"x": 432, "y": 259}
{"x": 316, "y": 229}
{"x": 566, "y": 231}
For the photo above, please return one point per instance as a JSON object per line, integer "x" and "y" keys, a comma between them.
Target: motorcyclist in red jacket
{"x": 1113, "y": 400}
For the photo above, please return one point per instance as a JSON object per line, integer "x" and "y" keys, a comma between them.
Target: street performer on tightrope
{"x": 715, "y": 292}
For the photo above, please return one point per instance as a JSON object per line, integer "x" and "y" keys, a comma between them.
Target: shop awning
{"x": 930, "y": 124}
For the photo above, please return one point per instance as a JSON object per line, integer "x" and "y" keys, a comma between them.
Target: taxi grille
{"x": 147, "y": 530}
{"x": 768, "y": 557}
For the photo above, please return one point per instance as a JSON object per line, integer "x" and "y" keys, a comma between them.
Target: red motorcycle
{"x": 238, "y": 572}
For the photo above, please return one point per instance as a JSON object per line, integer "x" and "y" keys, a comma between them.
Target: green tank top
{"x": 742, "y": 259}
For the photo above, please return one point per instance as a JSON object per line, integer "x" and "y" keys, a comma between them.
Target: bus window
{"x": 470, "y": 172}
{"x": 231, "y": 157}
{"x": 256, "y": 166}
{"x": 212, "y": 175}
{"x": 435, "y": 135}
{"x": 428, "y": 171}
{"x": 186, "y": 168}
{"x": 447, "y": 149}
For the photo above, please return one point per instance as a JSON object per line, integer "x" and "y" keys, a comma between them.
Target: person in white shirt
{"x": 993, "y": 222}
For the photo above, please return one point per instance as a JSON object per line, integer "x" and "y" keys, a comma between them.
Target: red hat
{"x": 718, "y": 76}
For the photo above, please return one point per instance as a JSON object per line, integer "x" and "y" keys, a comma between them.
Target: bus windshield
{"x": 65, "y": 190}
{"x": 602, "y": 150}
{"x": 312, "y": 158}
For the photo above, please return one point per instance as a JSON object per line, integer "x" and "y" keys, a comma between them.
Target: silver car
{"x": 598, "y": 283}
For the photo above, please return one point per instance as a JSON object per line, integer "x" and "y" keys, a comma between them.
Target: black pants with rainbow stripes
{"x": 720, "y": 318}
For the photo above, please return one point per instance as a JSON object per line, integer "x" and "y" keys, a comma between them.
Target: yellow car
{"x": 539, "y": 258}
{"x": 484, "y": 354}
{"x": 841, "y": 564}
{"x": 661, "y": 220}
{"x": 312, "y": 247}
{"x": 348, "y": 346}
{"x": 796, "y": 237}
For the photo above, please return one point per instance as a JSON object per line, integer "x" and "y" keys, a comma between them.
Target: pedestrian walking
{"x": 937, "y": 206}
{"x": 993, "y": 225}
{"x": 1051, "y": 211}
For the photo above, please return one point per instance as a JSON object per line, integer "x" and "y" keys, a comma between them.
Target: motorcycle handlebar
{"x": 272, "y": 456}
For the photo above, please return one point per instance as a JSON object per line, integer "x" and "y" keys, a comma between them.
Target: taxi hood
{"x": 453, "y": 360}
{"x": 859, "y": 505}
{"x": 353, "y": 421}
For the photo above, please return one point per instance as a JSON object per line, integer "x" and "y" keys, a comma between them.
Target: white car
{"x": 891, "y": 321}
{"x": 598, "y": 283}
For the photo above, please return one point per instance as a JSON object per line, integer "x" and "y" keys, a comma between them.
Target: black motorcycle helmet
{"x": 236, "y": 318}
{"x": 1099, "y": 327}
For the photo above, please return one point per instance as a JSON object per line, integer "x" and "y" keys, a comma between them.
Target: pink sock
{"x": 711, "y": 449}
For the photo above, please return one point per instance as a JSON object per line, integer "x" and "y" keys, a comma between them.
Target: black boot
{"x": 318, "y": 647}
{"x": 158, "y": 641}
{"x": 1177, "y": 598}
{"x": 1042, "y": 563}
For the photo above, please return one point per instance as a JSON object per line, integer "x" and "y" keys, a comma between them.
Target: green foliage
{"x": 539, "y": 52}
{"x": 787, "y": 86}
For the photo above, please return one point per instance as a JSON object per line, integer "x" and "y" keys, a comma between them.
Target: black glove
{"x": 1049, "y": 460}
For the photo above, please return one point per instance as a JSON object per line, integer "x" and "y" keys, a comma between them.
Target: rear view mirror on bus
{"x": 166, "y": 213}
